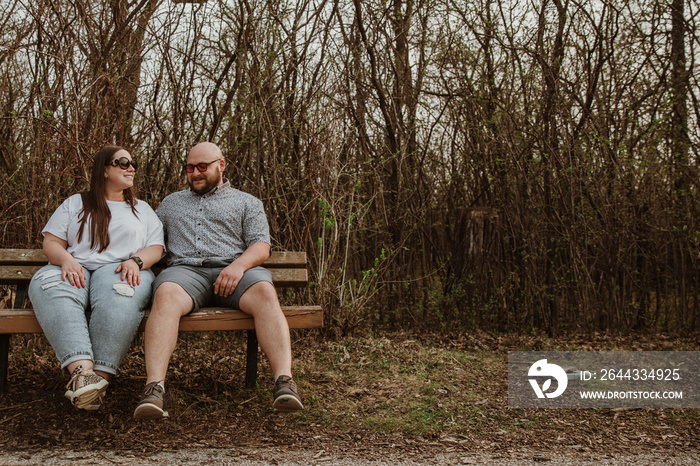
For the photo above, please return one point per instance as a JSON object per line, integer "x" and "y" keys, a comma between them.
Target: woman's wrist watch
{"x": 138, "y": 261}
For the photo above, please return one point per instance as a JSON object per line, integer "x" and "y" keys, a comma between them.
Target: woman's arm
{"x": 150, "y": 255}
{"x": 55, "y": 249}
{"x": 130, "y": 269}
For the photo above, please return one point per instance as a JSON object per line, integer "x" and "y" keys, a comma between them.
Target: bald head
{"x": 206, "y": 149}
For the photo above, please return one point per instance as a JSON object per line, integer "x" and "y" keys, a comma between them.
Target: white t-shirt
{"x": 127, "y": 233}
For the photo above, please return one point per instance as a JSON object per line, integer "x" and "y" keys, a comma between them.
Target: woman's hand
{"x": 55, "y": 249}
{"x": 130, "y": 272}
{"x": 74, "y": 272}
{"x": 130, "y": 269}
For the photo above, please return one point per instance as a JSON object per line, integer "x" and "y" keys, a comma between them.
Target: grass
{"x": 431, "y": 388}
{"x": 406, "y": 387}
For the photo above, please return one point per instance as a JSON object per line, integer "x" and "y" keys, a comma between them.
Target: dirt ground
{"x": 256, "y": 456}
{"x": 395, "y": 399}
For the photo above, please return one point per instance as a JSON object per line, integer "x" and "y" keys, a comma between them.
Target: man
{"x": 217, "y": 237}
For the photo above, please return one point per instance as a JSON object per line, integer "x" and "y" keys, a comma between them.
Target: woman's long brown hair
{"x": 95, "y": 206}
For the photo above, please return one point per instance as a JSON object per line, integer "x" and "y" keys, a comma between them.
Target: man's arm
{"x": 228, "y": 279}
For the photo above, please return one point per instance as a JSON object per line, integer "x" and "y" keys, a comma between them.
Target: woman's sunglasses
{"x": 123, "y": 163}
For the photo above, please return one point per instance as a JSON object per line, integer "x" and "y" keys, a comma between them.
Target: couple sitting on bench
{"x": 101, "y": 245}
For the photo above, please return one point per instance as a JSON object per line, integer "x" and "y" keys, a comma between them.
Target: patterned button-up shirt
{"x": 213, "y": 228}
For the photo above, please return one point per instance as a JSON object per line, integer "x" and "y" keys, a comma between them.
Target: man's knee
{"x": 259, "y": 298}
{"x": 171, "y": 299}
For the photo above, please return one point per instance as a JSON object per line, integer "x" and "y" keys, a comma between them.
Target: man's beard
{"x": 208, "y": 186}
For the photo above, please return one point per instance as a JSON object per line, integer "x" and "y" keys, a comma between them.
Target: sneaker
{"x": 286, "y": 398}
{"x": 85, "y": 388}
{"x": 152, "y": 404}
{"x": 95, "y": 405}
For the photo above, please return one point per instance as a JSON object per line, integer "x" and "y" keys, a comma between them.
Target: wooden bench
{"x": 17, "y": 266}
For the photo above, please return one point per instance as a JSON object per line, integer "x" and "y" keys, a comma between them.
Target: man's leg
{"x": 260, "y": 301}
{"x": 170, "y": 303}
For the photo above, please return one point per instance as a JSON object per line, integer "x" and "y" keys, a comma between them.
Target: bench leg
{"x": 20, "y": 298}
{"x": 251, "y": 367}
{"x": 4, "y": 361}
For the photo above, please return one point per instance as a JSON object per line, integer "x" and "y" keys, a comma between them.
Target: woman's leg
{"x": 117, "y": 311}
{"x": 60, "y": 309}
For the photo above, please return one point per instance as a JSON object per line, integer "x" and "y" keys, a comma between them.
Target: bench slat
{"x": 212, "y": 318}
{"x": 282, "y": 259}
{"x": 18, "y": 274}
{"x": 18, "y": 321}
{"x": 24, "y": 256}
{"x": 229, "y": 319}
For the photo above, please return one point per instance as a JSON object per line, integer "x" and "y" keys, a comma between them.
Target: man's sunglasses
{"x": 202, "y": 167}
{"x": 123, "y": 163}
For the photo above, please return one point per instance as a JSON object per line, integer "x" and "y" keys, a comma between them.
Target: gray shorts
{"x": 198, "y": 282}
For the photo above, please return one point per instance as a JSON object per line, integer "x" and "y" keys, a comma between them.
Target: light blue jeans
{"x": 117, "y": 310}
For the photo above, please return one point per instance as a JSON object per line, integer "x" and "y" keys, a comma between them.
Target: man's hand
{"x": 228, "y": 279}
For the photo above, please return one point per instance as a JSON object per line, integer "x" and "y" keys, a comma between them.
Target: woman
{"x": 101, "y": 245}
